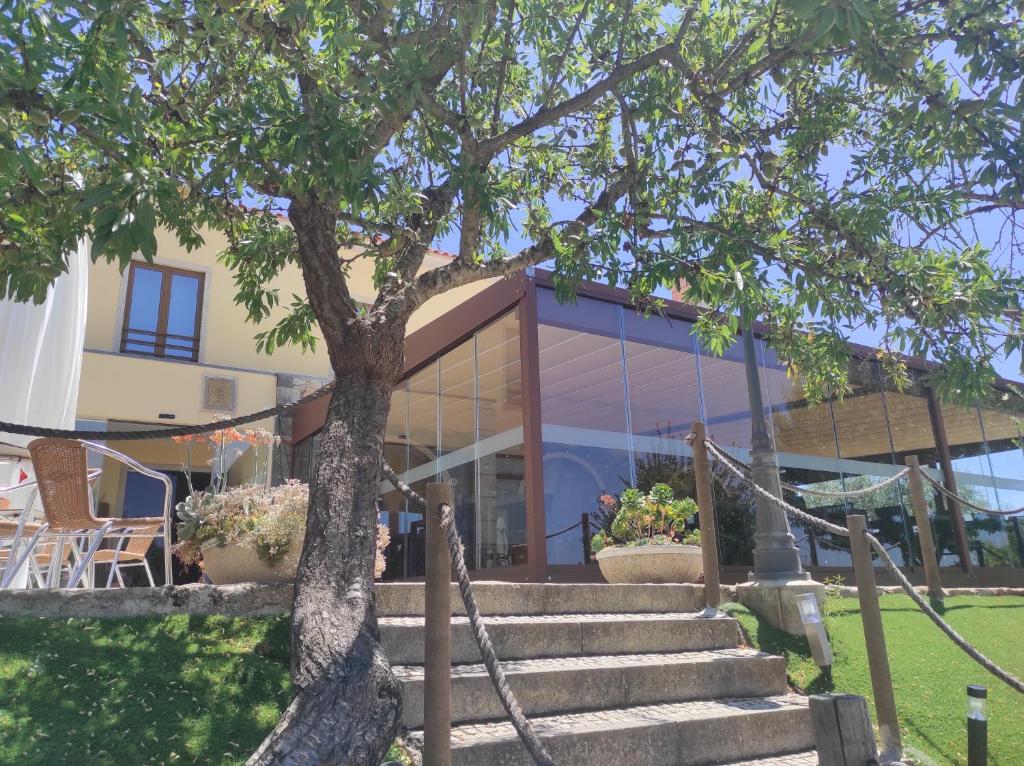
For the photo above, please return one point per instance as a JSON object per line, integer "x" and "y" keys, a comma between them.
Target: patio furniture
{"x": 63, "y": 479}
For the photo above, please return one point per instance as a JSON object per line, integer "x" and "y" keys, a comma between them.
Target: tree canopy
{"x": 820, "y": 163}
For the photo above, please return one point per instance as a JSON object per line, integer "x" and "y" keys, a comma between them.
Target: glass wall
{"x": 618, "y": 394}
{"x": 460, "y": 420}
{"x": 584, "y": 427}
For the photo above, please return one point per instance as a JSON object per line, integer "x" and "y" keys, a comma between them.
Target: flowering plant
{"x": 226, "y": 445}
{"x": 655, "y": 518}
{"x": 273, "y": 521}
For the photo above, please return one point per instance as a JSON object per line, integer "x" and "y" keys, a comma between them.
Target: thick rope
{"x": 563, "y": 531}
{"x": 803, "y": 516}
{"x": 1010, "y": 679}
{"x": 735, "y": 461}
{"x": 164, "y": 433}
{"x": 962, "y": 501}
{"x": 944, "y": 626}
{"x": 515, "y": 713}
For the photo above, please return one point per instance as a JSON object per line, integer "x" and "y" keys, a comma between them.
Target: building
{"x": 165, "y": 344}
{"x": 534, "y": 409}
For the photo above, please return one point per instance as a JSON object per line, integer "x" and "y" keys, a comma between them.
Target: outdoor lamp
{"x": 821, "y": 650}
{"x": 977, "y": 726}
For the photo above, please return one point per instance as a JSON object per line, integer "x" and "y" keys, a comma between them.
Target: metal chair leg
{"x": 94, "y": 544}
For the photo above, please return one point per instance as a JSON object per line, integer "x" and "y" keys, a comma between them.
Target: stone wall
{"x": 289, "y": 389}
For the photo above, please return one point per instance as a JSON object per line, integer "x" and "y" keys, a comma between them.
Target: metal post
{"x": 437, "y": 634}
{"x": 706, "y": 517}
{"x": 585, "y": 527}
{"x": 874, "y": 640}
{"x": 924, "y": 529}
{"x": 776, "y": 557}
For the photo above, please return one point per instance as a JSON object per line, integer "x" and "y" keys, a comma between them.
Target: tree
{"x": 637, "y": 142}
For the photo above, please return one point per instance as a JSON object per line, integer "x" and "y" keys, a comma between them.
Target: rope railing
{"x": 844, "y": 494}
{"x": 169, "y": 431}
{"x": 563, "y": 531}
{"x": 515, "y": 713}
{"x": 946, "y": 492}
{"x": 891, "y": 566}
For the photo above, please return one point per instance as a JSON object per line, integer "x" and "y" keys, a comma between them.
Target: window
{"x": 162, "y": 312}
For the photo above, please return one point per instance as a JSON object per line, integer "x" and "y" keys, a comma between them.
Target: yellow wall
{"x": 139, "y": 388}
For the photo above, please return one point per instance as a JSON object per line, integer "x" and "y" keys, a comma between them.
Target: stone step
{"x": 697, "y": 733}
{"x": 522, "y": 637}
{"x": 565, "y": 684}
{"x": 405, "y": 599}
{"x": 806, "y": 758}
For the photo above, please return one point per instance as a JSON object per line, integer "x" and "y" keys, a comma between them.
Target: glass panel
{"x": 393, "y": 504}
{"x": 583, "y": 413}
{"x": 1001, "y": 427}
{"x": 808, "y": 457}
{"x": 421, "y": 429}
{"x": 144, "y": 312}
{"x": 460, "y": 419}
{"x": 181, "y": 316}
{"x": 501, "y": 500}
{"x": 727, "y": 416}
{"x": 866, "y": 459}
{"x": 458, "y": 437}
{"x": 664, "y": 401}
{"x": 911, "y": 431}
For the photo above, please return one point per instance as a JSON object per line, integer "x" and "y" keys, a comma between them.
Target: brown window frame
{"x": 161, "y": 336}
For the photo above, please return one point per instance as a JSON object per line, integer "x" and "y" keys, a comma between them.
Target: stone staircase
{"x": 608, "y": 674}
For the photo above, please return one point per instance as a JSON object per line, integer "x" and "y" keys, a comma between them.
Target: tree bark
{"x": 347, "y": 708}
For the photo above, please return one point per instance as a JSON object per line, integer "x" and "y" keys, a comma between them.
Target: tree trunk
{"x": 347, "y": 708}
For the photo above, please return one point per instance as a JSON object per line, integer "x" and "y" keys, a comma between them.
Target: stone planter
{"x": 651, "y": 564}
{"x": 233, "y": 563}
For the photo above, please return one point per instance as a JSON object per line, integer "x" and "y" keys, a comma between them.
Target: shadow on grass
{"x": 768, "y": 638}
{"x": 203, "y": 689}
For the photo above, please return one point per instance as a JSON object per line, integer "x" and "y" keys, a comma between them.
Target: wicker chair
{"x": 62, "y": 474}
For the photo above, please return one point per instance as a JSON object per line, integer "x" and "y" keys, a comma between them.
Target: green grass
{"x": 929, "y": 672}
{"x": 175, "y": 690}
{"x": 206, "y": 690}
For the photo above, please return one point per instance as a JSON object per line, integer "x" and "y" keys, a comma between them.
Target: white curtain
{"x": 41, "y": 355}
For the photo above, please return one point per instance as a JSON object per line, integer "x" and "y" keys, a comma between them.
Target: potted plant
{"x": 647, "y": 540}
{"x": 250, "y": 533}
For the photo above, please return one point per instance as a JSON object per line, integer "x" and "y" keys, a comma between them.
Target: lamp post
{"x": 776, "y": 557}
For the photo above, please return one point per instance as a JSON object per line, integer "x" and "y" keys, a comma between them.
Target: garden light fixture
{"x": 821, "y": 650}
{"x": 977, "y": 726}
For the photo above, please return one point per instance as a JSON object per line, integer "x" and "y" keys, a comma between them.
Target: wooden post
{"x": 874, "y": 640}
{"x": 924, "y": 529}
{"x": 533, "y": 440}
{"x": 842, "y": 730}
{"x": 437, "y": 634}
{"x": 706, "y": 517}
{"x": 956, "y": 515}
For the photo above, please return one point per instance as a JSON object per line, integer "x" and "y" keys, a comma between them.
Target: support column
{"x": 533, "y": 447}
{"x": 948, "y": 478}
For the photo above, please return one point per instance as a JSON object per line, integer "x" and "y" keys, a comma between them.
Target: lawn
{"x": 206, "y": 690}
{"x": 929, "y": 673}
{"x": 175, "y": 690}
